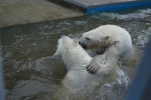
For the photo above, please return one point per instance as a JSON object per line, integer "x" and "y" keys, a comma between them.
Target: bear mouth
{"x": 82, "y": 45}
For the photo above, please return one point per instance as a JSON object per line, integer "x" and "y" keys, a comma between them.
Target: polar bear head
{"x": 72, "y": 54}
{"x": 93, "y": 40}
{"x": 64, "y": 44}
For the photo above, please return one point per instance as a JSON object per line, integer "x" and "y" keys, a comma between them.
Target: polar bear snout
{"x": 56, "y": 55}
{"x": 82, "y": 45}
{"x": 63, "y": 36}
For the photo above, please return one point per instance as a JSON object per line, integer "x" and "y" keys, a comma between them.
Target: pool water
{"x": 32, "y": 73}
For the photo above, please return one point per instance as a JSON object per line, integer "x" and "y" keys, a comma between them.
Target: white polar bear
{"x": 105, "y": 35}
{"x": 76, "y": 59}
{"x": 96, "y": 38}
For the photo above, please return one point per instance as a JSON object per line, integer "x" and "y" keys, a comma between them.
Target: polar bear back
{"x": 116, "y": 33}
{"x": 76, "y": 60}
{"x": 80, "y": 79}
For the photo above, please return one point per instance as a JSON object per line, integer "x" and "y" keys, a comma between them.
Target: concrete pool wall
{"x": 92, "y": 6}
{"x": 15, "y": 12}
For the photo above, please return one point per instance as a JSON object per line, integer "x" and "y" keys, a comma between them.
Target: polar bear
{"x": 101, "y": 37}
{"x": 96, "y": 38}
{"x": 76, "y": 59}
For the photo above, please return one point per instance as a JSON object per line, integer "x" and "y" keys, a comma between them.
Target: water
{"x": 32, "y": 73}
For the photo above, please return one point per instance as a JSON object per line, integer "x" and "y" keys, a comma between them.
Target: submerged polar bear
{"x": 101, "y": 37}
{"x": 76, "y": 59}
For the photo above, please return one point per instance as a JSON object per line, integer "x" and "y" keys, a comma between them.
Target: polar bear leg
{"x": 129, "y": 54}
{"x": 96, "y": 63}
{"x": 95, "y": 52}
{"x": 110, "y": 56}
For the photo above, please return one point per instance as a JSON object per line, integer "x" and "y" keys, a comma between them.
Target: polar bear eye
{"x": 88, "y": 38}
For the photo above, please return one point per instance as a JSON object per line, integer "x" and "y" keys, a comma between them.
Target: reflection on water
{"x": 31, "y": 72}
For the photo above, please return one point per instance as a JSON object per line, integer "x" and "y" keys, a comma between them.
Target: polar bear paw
{"x": 95, "y": 63}
{"x": 92, "y": 69}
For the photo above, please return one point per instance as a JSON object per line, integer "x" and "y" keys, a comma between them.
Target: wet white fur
{"x": 76, "y": 60}
{"x": 115, "y": 33}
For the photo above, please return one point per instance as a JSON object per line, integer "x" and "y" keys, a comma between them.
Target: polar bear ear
{"x": 76, "y": 41}
{"x": 106, "y": 38}
{"x": 116, "y": 43}
{"x": 57, "y": 54}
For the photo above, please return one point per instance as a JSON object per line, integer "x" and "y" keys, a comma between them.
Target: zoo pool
{"x": 32, "y": 73}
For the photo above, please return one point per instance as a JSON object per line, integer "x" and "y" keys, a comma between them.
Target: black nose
{"x": 79, "y": 42}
